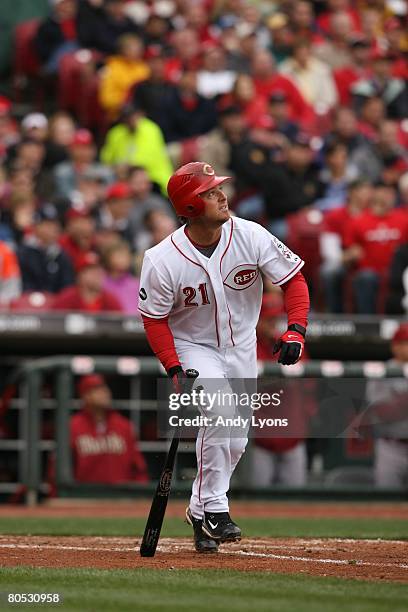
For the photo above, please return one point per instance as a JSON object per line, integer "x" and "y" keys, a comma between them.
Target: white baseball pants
{"x": 218, "y": 451}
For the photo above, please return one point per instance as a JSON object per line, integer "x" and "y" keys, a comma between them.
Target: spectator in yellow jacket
{"x": 121, "y": 72}
{"x": 138, "y": 141}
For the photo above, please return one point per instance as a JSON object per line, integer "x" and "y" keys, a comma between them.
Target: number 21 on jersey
{"x": 191, "y": 295}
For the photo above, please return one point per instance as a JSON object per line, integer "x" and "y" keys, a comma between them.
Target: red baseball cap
{"x": 87, "y": 383}
{"x": 82, "y": 137}
{"x": 118, "y": 191}
{"x": 401, "y": 335}
{"x": 87, "y": 260}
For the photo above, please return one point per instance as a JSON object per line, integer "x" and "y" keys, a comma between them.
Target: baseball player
{"x": 200, "y": 298}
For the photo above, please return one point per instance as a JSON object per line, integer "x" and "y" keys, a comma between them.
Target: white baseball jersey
{"x": 214, "y": 301}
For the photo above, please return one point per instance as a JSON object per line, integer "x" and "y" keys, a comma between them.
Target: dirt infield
{"x": 361, "y": 559}
{"x": 140, "y": 508}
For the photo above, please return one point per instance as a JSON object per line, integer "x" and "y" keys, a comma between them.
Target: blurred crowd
{"x": 304, "y": 103}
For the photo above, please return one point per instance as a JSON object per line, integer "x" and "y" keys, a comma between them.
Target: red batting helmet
{"x": 186, "y": 184}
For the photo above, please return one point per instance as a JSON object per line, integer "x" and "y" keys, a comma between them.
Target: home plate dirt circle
{"x": 361, "y": 559}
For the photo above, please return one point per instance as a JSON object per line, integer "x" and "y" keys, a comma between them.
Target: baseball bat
{"x": 159, "y": 504}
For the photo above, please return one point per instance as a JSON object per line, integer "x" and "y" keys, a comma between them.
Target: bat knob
{"x": 191, "y": 373}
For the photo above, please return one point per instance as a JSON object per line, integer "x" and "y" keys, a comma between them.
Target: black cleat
{"x": 202, "y": 543}
{"x": 220, "y": 527}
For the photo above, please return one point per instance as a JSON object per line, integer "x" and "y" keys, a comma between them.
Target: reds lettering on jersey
{"x": 214, "y": 301}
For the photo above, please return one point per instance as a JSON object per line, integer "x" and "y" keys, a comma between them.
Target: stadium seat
{"x": 304, "y": 228}
{"x": 26, "y": 63}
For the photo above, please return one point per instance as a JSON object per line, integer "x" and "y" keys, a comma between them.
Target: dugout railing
{"x": 59, "y": 373}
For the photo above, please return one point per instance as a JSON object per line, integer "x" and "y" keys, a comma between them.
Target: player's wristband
{"x": 297, "y": 328}
{"x": 174, "y": 370}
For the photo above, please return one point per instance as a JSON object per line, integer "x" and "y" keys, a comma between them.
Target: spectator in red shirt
{"x": 371, "y": 243}
{"x": 103, "y": 442}
{"x": 332, "y": 242}
{"x": 88, "y": 295}
{"x": 267, "y": 80}
{"x": 359, "y": 68}
{"x": 78, "y": 238}
{"x": 334, "y": 6}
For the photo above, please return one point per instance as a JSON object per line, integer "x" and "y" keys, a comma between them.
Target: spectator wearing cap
{"x": 119, "y": 280}
{"x": 214, "y": 77}
{"x": 313, "y": 77}
{"x": 88, "y": 294}
{"x": 241, "y": 44}
{"x": 387, "y": 418}
{"x": 346, "y": 129}
{"x": 281, "y": 34}
{"x": 138, "y": 141}
{"x": 282, "y": 188}
{"x": 371, "y": 159}
{"x": 103, "y": 442}
{"x": 57, "y": 35}
{"x": 372, "y": 115}
{"x": 332, "y": 239}
{"x": 44, "y": 265}
{"x": 114, "y": 213}
{"x": 78, "y": 238}
{"x": 359, "y": 68}
{"x": 82, "y": 153}
{"x": 157, "y": 27}
{"x": 278, "y": 110}
{"x": 371, "y": 242}
{"x": 393, "y": 91}
{"x": 10, "y": 275}
{"x": 151, "y": 95}
{"x": 35, "y": 126}
{"x": 120, "y": 73}
{"x": 335, "y": 177}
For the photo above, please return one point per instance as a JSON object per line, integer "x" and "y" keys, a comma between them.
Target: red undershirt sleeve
{"x": 296, "y": 299}
{"x": 161, "y": 341}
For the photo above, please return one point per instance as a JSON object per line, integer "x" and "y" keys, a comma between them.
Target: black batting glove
{"x": 290, "y": 345}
